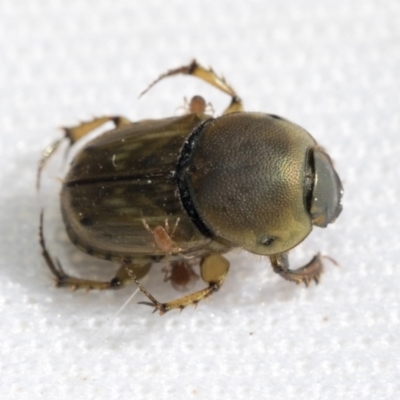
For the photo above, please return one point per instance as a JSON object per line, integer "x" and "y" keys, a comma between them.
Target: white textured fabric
{"x": 333, "y": 68}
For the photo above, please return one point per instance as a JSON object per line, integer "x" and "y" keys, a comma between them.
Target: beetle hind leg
{"x": 121, "y": 279}
{"x": 61, "y": 278}
{"x": 214, "y": 269}
{"x": 309, "y": 272}
{"x": 207, "y": 75}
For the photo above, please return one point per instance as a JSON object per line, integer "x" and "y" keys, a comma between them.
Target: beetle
{"x": 245, "y": 180}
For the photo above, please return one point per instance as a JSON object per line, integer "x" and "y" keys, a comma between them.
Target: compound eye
{"x": 327, "y": 191}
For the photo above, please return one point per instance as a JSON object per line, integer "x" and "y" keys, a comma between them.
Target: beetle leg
{"x": 77, "y": 132}
{"x": 207, "y": 75}
{"x": 311, "y": 271}
{"x": 61, "y": 278}
{"x": 47, "y": 153}
{"x": 74, "y": 134}
{"x": 214, "y": 269}
{"x": 122, "y": 278}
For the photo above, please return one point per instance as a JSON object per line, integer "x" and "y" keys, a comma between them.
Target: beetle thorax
{"x": 246, "y": 180}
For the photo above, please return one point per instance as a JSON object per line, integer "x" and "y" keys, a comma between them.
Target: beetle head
{"x": 325, "y": 202}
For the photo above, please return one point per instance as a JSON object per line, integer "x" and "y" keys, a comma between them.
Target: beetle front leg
{"x": 213, "y": 269}
{"x": 207, "y": 75}
{"x": 311, "y": 271}
{"x": 74, "y": 134}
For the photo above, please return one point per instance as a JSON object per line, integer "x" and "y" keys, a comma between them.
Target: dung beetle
{"x": 189, "y": 188}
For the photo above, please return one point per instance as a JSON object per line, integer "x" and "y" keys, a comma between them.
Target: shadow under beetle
{"x": 190, "y": 188}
